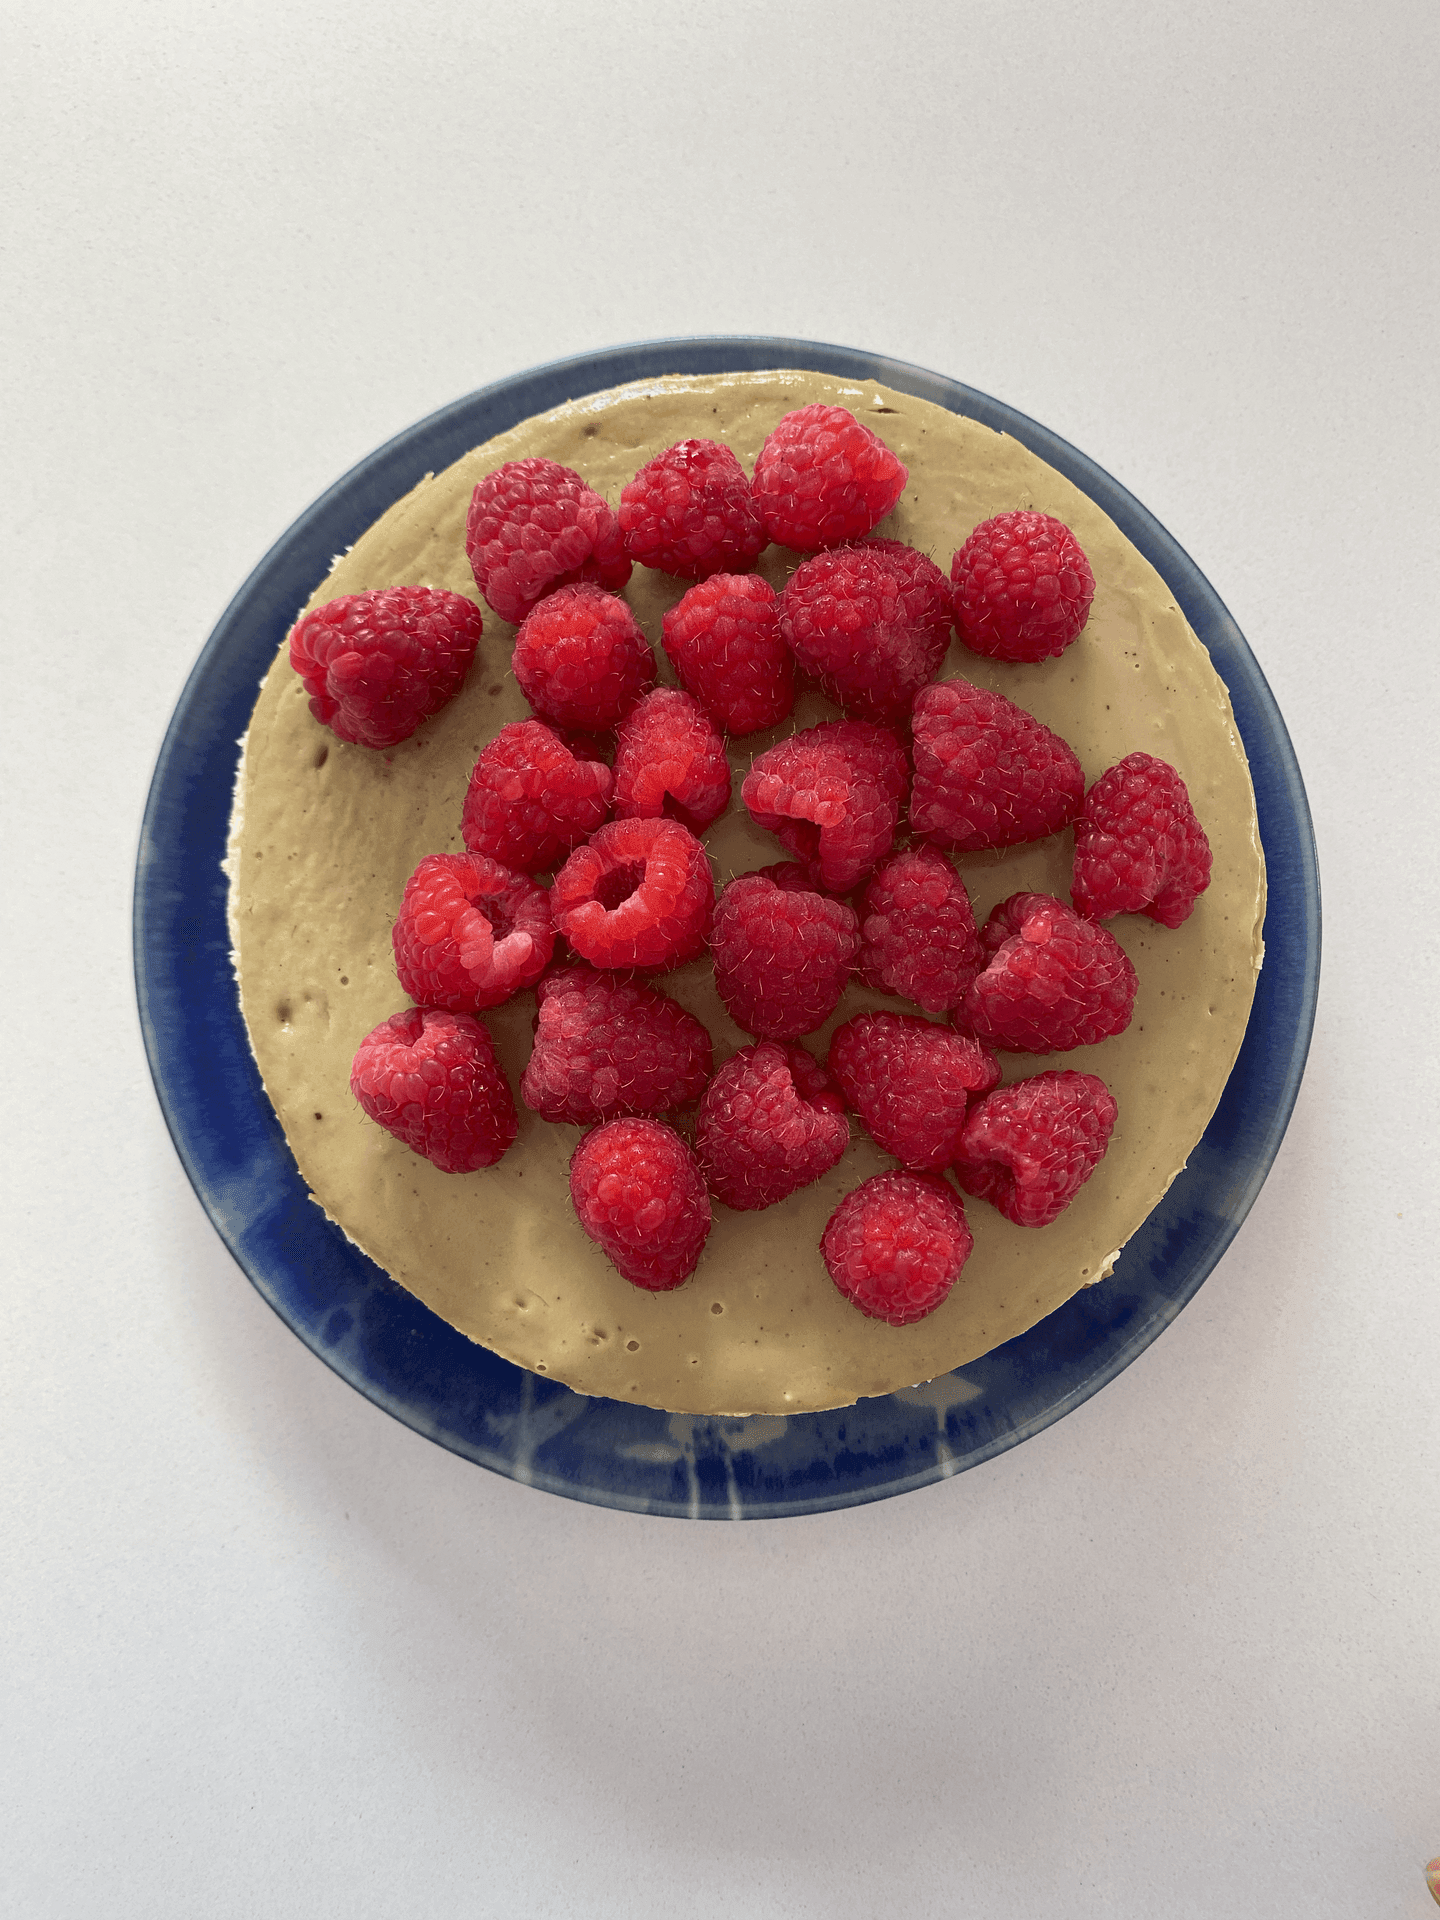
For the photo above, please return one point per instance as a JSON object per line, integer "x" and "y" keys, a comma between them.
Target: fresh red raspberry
{"x": 771, "y": 1122}
{"x": 530, "y": 799}
{"x": 895, "y": 1246}
{"x": 1054, "y": 981}
{"x": 910, "y": 1081}
{"x": 723, "y": 639}
{"x": 822, "y": 478}
{"x": 581, "y": 658}
{"x": 606, "y": 1047}
{"x": 690, "y": 512}
{"x": 431, "y": 1078}
{"x": 831, "y": 795}
{"x": 782, "y": 952}
{"x": 669, "y": 760}
{"x": 470, "y": 933}
{"x": 640, "y": 894}
{"x": 987, "y": 773}
{"x": 871, "y": 623}
{"x": 1023, "y": 587}
{"x": 639, "y": 1194}
{"x": 1138, "y": 846}
{"x": 533, "y": 526}
{"x": 1029, "y": 1148}
{"x": 917, "y": 931}
{"x": 376, "y": 664}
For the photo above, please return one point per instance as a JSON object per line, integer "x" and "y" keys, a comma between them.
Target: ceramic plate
{"x": 393, "y": 1349}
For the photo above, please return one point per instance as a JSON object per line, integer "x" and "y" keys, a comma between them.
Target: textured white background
{"x": 267, "y": 1652}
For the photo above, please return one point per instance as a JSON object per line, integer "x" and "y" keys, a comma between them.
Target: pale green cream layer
{"x": 326, "y": 835}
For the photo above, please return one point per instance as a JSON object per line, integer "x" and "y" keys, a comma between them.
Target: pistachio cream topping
{"x": 325, "y": 836}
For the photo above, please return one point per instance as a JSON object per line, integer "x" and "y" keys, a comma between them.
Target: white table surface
{"x": 265, "y": 1651}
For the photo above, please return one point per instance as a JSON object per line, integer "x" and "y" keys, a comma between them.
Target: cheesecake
{"x": 325, "y": 834}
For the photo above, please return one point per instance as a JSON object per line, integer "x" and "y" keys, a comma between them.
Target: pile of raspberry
{"x": 585, "y": 878}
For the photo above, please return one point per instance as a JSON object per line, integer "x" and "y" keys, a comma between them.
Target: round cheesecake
{"x": 325, "y": 835}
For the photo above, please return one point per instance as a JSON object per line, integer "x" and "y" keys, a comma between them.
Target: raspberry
{"x": 1023, "y": 587}
{"x": 871, "y": 623}
{"x": 640, "y": 894}
{"x": 1029, "y": 1148}
{"x": 669, "y": 760}
{"x": 723, "y": 639}
{"x": 376, "y": 664}
{"x": 691, "y": 512}
{"x": 1054, "y": 981}
{"x": 431, "y": 1078}
{"x": 470, "y": 933}
{"x": 909, "y": 1081}
{"x": 639, "y": 1194}
{"x": 530, "y": 799}
{"x": 895, "y": 1246}
{"x": 770, "y": 1123}
{"x": 606, "y": 1047}
{"x": 822, "y": 478}
{"x": 782, "y": 952}
{"x": 987, "y": 773}
{"x": 581, "y": 658}
{"x": 533, "y": 526}
{"x": 831, "y": 795}
{"x": 1138, "y": 846}
{"x": 917, "y": 931}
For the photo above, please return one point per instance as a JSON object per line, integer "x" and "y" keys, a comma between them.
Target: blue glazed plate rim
{"x": 401, "y": 1356}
